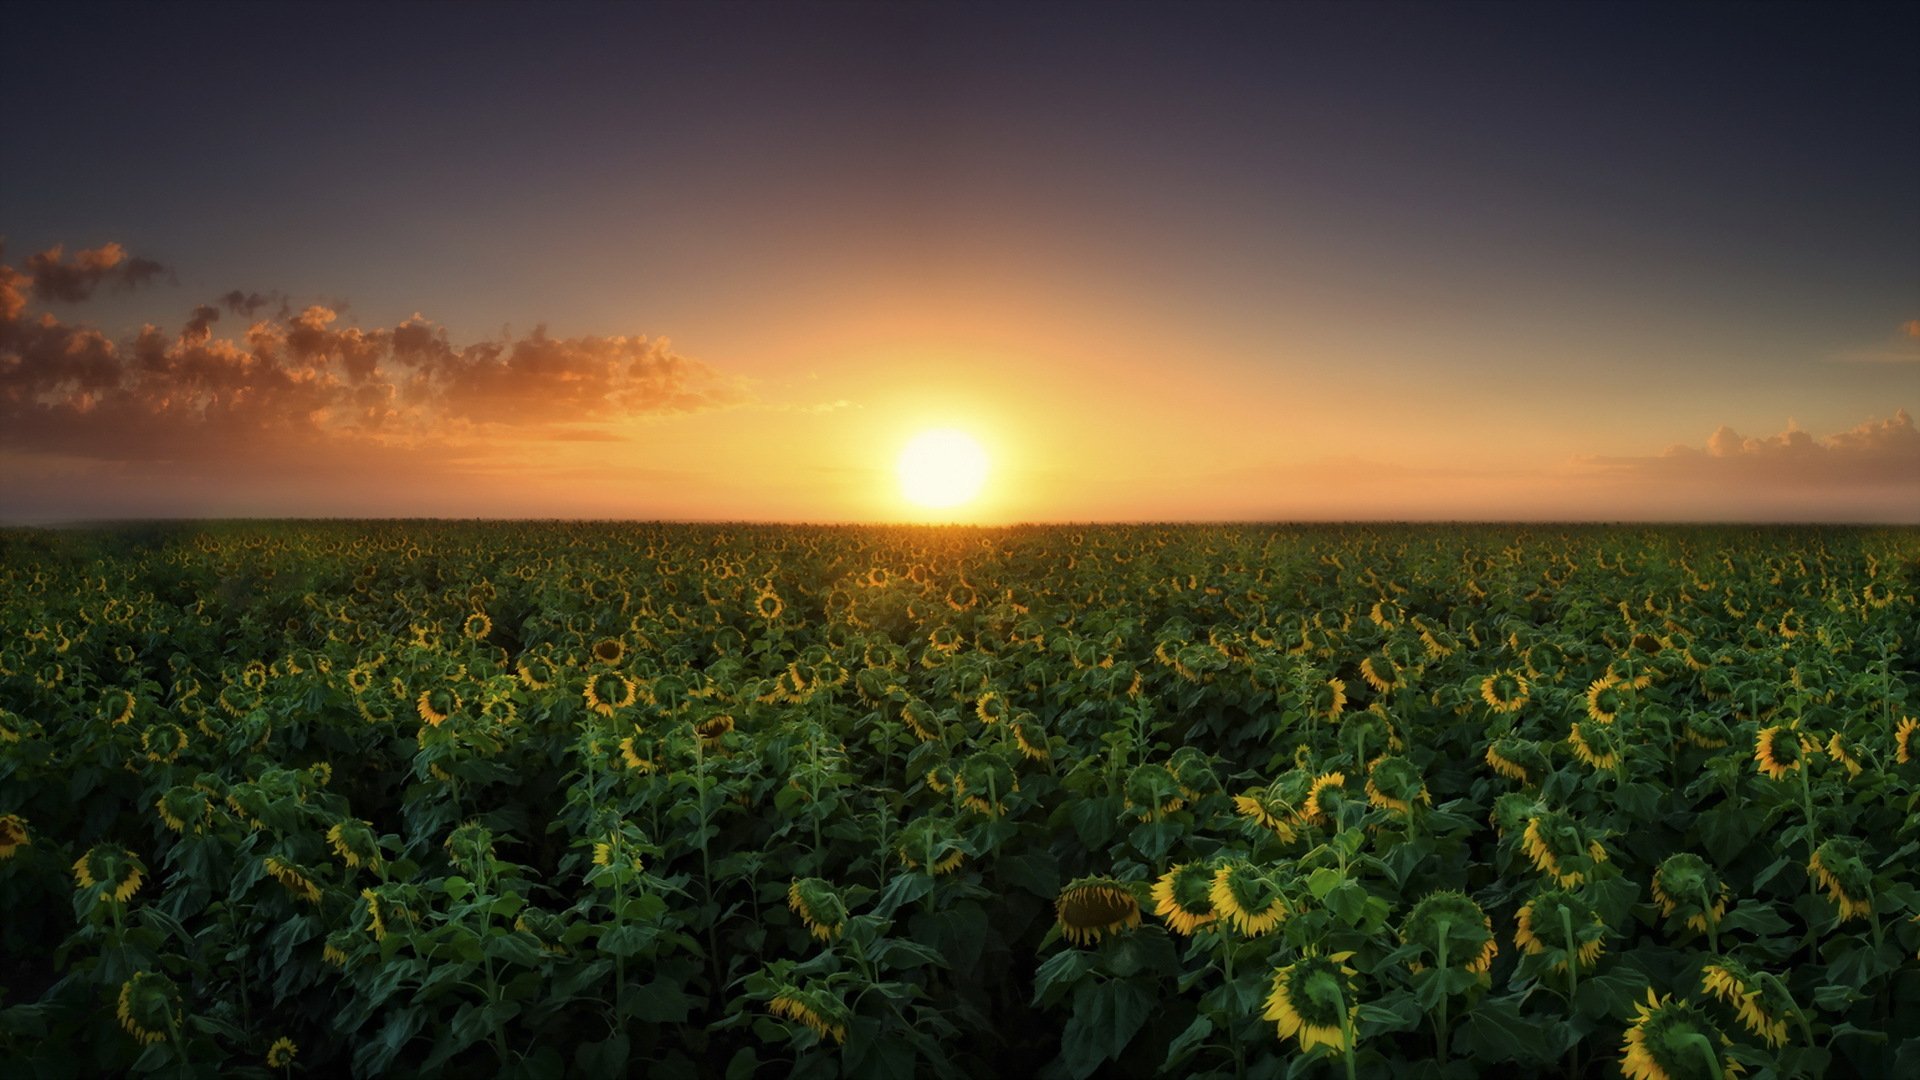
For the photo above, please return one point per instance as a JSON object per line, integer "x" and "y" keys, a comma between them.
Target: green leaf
{"x": 1187, "y": 1042}
{"x": 657, "y": 1002}
{"x": 901, "y": 891}
{"x": 1497, "y": 1030}
{"x": 608, "y": 1057}
{"x": 1060, "y": 971}
{"x": 1106, "y": 1016}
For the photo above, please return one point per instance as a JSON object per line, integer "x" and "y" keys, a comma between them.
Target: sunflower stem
{"x": 1573, "y": 957}
{"x": 1346, "y": 1030}
{"x": 1440, "y": 1032}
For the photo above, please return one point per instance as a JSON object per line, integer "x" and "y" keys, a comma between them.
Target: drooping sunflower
{"x": 1664, "y": 1042}
{"x": 354, "y": 842}
{"x": 1561, "y": 926}
{"x": 1761, "y": 1004}
{"x": 713, "y": 730}
{"x": 1450, "y": 929}
{"x": 1394, "y": 784}
{"x": 933, "y": 843}
{"x": 1837, "y": 750}
{"x": 1265, "y": 809}
{"x": 819, "y": 907}
{"x": 115, "y": 871}
{"x": 1903, "y": 742}
{"x": 116, "y": 707}
{"x": 1839, "y": 865}
{"x": 1559, "y": 847}
{"x": 376, "y": 924}
{"x": 1183, "y": 896}
{"x": 814, "y": 1007}
{"x": 183, "y": 808}
{"x": 254, "y": 676}
{"x": 1314, "y": 809}
{"x": 1381, "y": 673}
{"x": 1090, "y": 908}
{"x": 1504, "y": 691}
{"x": 13, "y": 835}
{"x": 1779, "y": 750}
{"x": 1251, "y": 901}
{"x": 436, "y": 704}
{"x": 1597, "y": 745}
{"x": 1329, "y": 699}
{"x": 149, "y": 1007}
{"x": 1705, "y": 732}
{"x": 163, "y": 742}
{"x": 609, "y": 692}
{"x": 1152, "y": 792}
{"x": 991, "y": 707}
{"x": 281, "y": 1054}
{"x": 920, "y": 719}
{"x": 1306, "y": 1001}
{"x": 1687, "y": 888}
{"x": 294, "y": 878}
{"x": 1604, "y": 698}
{"x": 1516, "y": 759}
{"x": 609, "y": 651}
{"x": 1030, "y": 736}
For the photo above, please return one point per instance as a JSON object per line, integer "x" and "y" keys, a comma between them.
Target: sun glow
{"x": 942, "y": 468}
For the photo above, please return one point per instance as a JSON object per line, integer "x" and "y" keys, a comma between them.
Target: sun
{"x": 942, "y": 468}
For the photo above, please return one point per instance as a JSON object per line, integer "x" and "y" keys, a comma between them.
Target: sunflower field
{"x": 548, "y": 799}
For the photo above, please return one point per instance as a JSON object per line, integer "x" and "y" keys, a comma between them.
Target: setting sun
{"x": 942, "y": 468}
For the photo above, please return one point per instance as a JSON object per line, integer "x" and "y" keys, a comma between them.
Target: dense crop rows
{"x": 737, "y": 800}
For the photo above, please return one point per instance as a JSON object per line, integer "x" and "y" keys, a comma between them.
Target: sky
{"x": 1195, "y": 262}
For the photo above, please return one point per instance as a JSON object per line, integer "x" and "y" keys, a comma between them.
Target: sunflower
{"x": 254, "y": 676}
{"x": 1030, "y": 737}
{"x": 1504, "y": 691}
{"x": 713, "y": 730}
{"x": 1265, "y": 809}
{"x": 1394, "y": 784}
{"x": 163, "y": 742}
{"x": 13, "y": 835}
{"x": 608, "y": 651}
{"x": 1839, "y": 867}
{"x": 333, "y": 954}
{"x": 962, "y": 596}
{"x": 375, "y": 923}
{"x": 1152, "y": 792}
{"x": 1515, "y": 759}
{"x": 1183, "y": 896}
{"x": 1665, "y": 1040}
{"x": 1313, "y": 810}
{"x": 1603, "y": 699}
{"x": 1552, "y": 839}
{"x": 477, "y": 626}
{"x": 536, "y": 672}
{"x": 932, "y": 843}
{"x": 1598, "y": 746}
{"x": 814, "y": 1008}
{"x": 355, "y": 844}
{"x": 1453, "y": 930}
{"x": 984, "y": 781}
{"x": 1686, "y": 887}
{"x": 1705, "y": 732}
{"x": 1306, "y": 1001}
{"x": 149, "y": 1007}
{"x": 1329, "y": 699}
{"x": 1761, "y": 1004}
{"x": 609, "y": 692}
{"x": 818, "y": 906}
{"x": 1561, "y": 926}
{"x": 280, "y": 1055}
{"x": 1381, "y": 673}
{"x": 435, "y": 705}
{"x": 182, "y": 808}
{"x": 116, "y": 872}
{"x": 360, "y": 678}
{"x": 1091, "y": 907}
{"x": 1251, "y": 901}
{"x": 294, "y": 878}
{"x": 991, "y": 708}
{"x": 1903, "y": 748}
{"x": 920, "y": 720}
{"x": 1779, "y": 750}
{"x": 767, "y": 603}
{"x": 116, "y": 707}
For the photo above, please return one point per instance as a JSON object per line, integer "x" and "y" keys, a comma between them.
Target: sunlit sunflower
{"x": 1504, "y": 691}
{"x": 1687, "y": 888}
{"x": 610, "y": 691}
{"x": 1452, "y": 931}
{"x": 1090, "y": 908}
{"x": 1837, "y": 750}
{"x": 1183, "y": 896}
{"x": 436, "y": 704}
{"x": 767, "y": 604}
{"x": 115, "y": 871}
{"x": 1761, "y": 1004}
{"x": 1250, "y": 900}
{"x": 813, "y": 1007}
{"x": 294, "y": 878}
{"x": 1313, "y": 809}
{"x": 1779, "y": 750}
{"x": 1553, "y": 840}
{"x": 1562, "y": 927}
{"x": 1307, "y": 999}
{"x": 150, "y": 1007}
{"x": 477, "y": 626}
{"x": 1603, "y": 698}
{"x": 818, "y": 906}
{"x": 280, "y": 1055}
{"x": 13, "y": 835}
{"x": 1839, "y": 866}
{"x": 354, "y": 842}
{"x": 1667, "y": 1040}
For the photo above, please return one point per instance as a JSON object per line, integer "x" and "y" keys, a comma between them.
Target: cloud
{"x": 1900, "y": 346}
{"x": 55, "y": 279}
{"x": 1911, "y": 328}
{"x": 294, "y": 382}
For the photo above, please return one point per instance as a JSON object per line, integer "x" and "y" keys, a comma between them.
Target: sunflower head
{"x": 1779, "y": 750}
{"x": 436, "y": 704}
{"x": 1597, "y": 745}
{"x": 1092, "y": 907}
{"x": 13, "y": 835}
{"x": 1905, "y": 749}
{"x": 1760, "y": 1002}
{"x": 1030, "y": 736}
{"x": 1562, "y": 927}
{"x": 1250, "y": 899}
{"x": 1183, "y": 896}
{"x": 149, "y": 1007}
{"x": 1323, "y": 798}
{"x": 1839, "y": 865}
{"x": 114, "y": 871}
{"x": 1394, "y": 784}
{"x": 1451, "y": 930}
{"x": 1152, "y": 792}
{"x": 1561, "y": 848}
{"x": 609, "y": 691}
{"x": 184, "y": 809}
{"x": 819, "y": 907}
{"x": 608, "y": 651}
{"x": 280, "y": 1055}
{"x": 354, "y": 843}
{"x": 1688, "y": 889}
{"x": 470, "y": 846}
{"x": 1672, "y": 1040}
{"x": 477, "y": 626}
{"x": 991, "y": 708}
{"x": 1504, "y": 691}
{"x": 1516, "y": 759}
{"x": 1313, "y": 1002}
{"x": 814, "y": 1006}
{"x": 116, "y": 707}
{"x": 767, "y": 604}
{"x": 931, "y": 843}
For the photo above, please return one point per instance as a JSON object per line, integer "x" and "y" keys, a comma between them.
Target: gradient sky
{"x": 1195, "y": 262}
